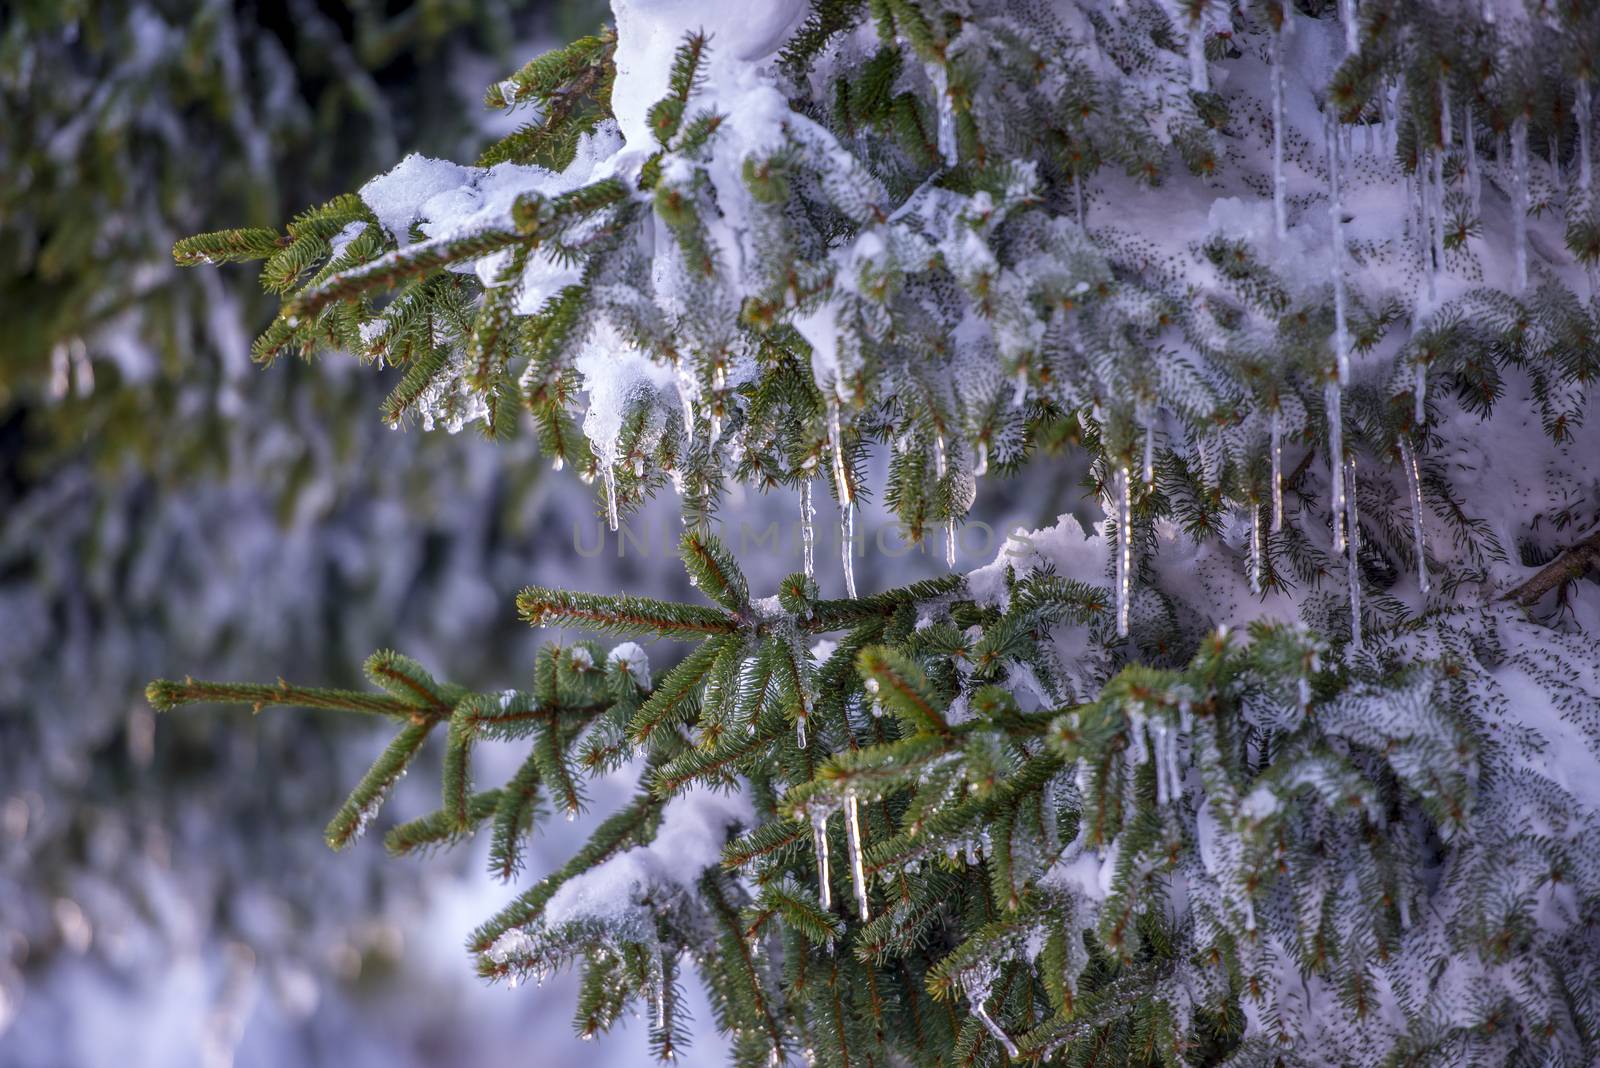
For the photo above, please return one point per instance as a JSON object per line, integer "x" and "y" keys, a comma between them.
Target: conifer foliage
{"x": 1291, "y": 760}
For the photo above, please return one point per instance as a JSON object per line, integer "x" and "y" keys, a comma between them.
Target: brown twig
{"x": 1571, "y": 564}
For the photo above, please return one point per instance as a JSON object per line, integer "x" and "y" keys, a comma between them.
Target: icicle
{"x": 557, "y": 464}
{"x": 1470, "y": 135}
{"x": 1425, "y": 228}
{"x": 1519, "y": 197}
{"x": 981, "y": 468}
{"x": 1438, "y": 211}
{"x": 1336, "y": 214}
{"x": 1585, "y": 164}
{"x": 1149, "y": 454}
{"x": 1347, "y": 15}
{"x": 1280, "y": 184}
{"x": 808, "y": 534}
{"x": 836, "y": 447}
{"x": 1419, "y": 393}
{"x": 1353, "y": 569}
{"x": 950, "y": 543}
{"x": 994, "y": 1029}
{"x": 610, "y": 478}
{"x": 847, "y": 532}
{"x": 800, "y": 730}
{"x": 938, "y": 456}
{"x": 1124, "y": 549}
{"x": 1021, "y": 392}
{"x": 819, "y": 842}
{"x": 1277, "y": 470}
{"x": 1199, "y": 77}
{"x": 1446, "y": 135}
{"x": 1408, "y": 458}
{"x": 858, "y": 874}
{"x": 948, "y": 147}
{"x": 1255, "y": 547}
{"x": 1335, "y": 402}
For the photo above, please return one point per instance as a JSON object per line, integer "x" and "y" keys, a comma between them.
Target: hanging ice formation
{"x": 858, "y": 873}
{"x": 1353, "y": 543}
{"x": 1341, "y": 328}
{"x": 977, "y": 992}
{"x": 1585, "y": 108}
{"x": 948, "y": 148}
{"x": 1277, "y": 470}
{"x": 610, "y": 478}
{"x": 1408, "y": 458}
{"x": 847, "y": 519}
{"x": 1470, "y": 136}
{"x": 1149, "y": 453}
{"x": 1347, "y": 15}
{"x": 719, "y": 382}
{"x": 1199, "y": 77}
{"x": 1519, "y": 196}
{"x": 847, "y": 535}
{"x": 819, "y": 841}
{"x": 1419, "y": 393}
{"x": 808, "y": 534}
{"x": 1124, "y": 549}
{"x": 939, "y": 468}
{"x": 1335, "y": 402}
{"x": 1280, "y": 211}
{"x": 1255, "y": 546}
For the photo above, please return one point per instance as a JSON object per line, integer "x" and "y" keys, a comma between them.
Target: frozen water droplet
{"x": 1519, "y": 196}
{"x": 1277, "y": 470}
{"x": 1408, "y": 459}
{"x": 557, "y": 464}
{"x": 1280, "y": 184}
{"x": 1255, "y": 548}
{"x": 1341, "y": 328}
{"x": 1419, "y": 393}
{"x": 819, "y": 842}
{"x": 836, "y": 446}
{"x": 1124, "y": 548}
{"x": 611, "y": 493}
{"x": 808, "y": 534}
{"x": 847, "y": 538}
{"x": 1353, "y": 569}
{"x": 1335, "y": 401}
{"x": 858, "y": 874}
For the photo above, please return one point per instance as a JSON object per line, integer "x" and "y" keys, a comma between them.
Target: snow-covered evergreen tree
{"x": 1290, "y": 760}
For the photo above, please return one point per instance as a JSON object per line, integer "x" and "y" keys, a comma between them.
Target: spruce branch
{"x": 1572, "y": 564}
{"x": 165, "y": 695}
{"x": 620, "y": 614}
{"x": 358, "y": 810}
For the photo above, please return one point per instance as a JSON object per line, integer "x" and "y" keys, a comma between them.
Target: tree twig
{"x": 1571, "y": 564}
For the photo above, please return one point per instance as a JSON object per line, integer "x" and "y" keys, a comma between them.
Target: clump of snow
{"x": 397, "y": 197}
{"x": 615, "y": 373}
{"x": 1073, "y": 553}
{"x": 633, "y": 660}
{"x": 693, "y": 830}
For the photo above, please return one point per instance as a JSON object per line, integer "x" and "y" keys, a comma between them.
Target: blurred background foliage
{"x": 165, "y": 508}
